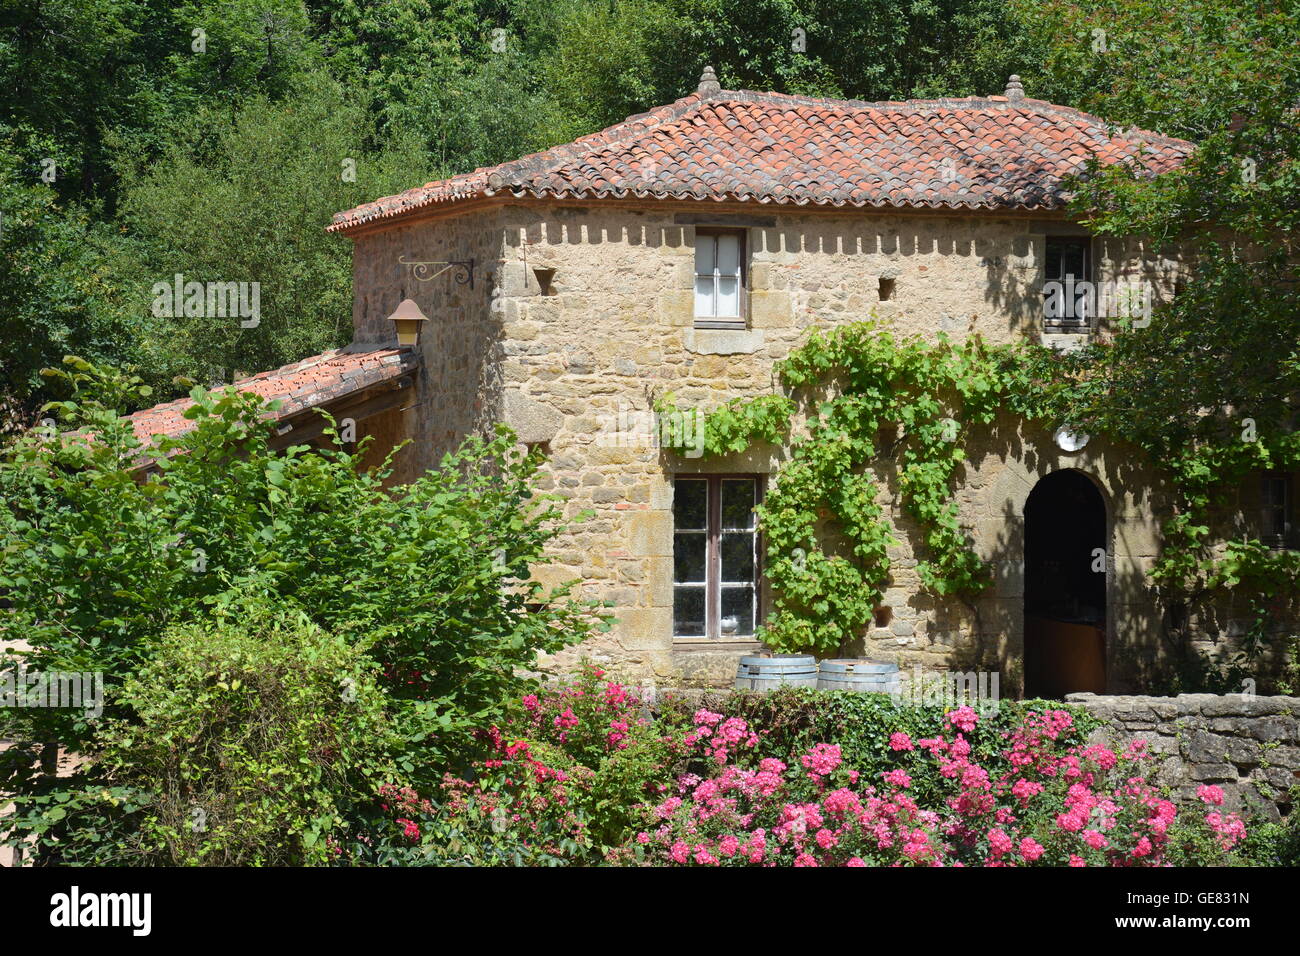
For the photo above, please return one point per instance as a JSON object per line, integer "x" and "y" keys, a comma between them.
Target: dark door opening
{"x": 1065, "y": 587}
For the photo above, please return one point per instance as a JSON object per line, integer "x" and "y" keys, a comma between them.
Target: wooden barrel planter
{"x": 768, "y": 673}
{"x": 861, "y": 675}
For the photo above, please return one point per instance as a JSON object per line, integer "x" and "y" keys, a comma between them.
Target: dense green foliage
{"x": 429, "y": 579}
{"x": 273, "y": 173}
{"x": 250, "y": 741}
{"x": 265, "y": 729}
{"x": 59, "y": 293}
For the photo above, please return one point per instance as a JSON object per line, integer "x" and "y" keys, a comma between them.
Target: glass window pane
{"x": 728, "y": 255}
{"x": 705, "y": 255}
{"x": 728, "y": 297}
{"x": 690, "y": 504}
{"x": 737, "y": 612}
{"x": 689, "y": 548}
{"x": 704, "y": 291}
{"x": 737, "y": 503}
{"x": 1052, "y": 268}
{"x": 1275, "y": 508}
{"x": 1072, "y": 262}
{"x": 737, "y": 556}
{"x": 688, "y": 612}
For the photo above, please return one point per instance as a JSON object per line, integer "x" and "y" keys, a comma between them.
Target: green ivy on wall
{"x": 876, "y": 403}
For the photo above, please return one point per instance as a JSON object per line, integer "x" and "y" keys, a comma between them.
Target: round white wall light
{"x": 1067, "y": 440}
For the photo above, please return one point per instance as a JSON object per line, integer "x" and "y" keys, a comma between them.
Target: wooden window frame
{"x": 713, "y": 560}
{"x": 1059, "y": 324}
{"x": 713, "y": 322}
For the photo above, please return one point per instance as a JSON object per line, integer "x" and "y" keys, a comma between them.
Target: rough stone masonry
{"x": 1247, "y": 745}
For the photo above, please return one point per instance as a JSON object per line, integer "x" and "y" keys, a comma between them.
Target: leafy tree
{"x": 1211, "y": 388}
{"x": 273, "y": 174}
{"x": 472, "y": 113}
{"x": 87, "y": 73}
{"x": 863, "y": 49}
{"x": 60, "y": 291}
{"x": 1182, "y": 69}
{"x": 70, "y": 72}
{"x": 233, "y": 49}
{"x": 431, "y": 579}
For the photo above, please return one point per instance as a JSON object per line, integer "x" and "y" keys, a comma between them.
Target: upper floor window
{"x": 1068, "y": 298}
{"x": 1277, "y": 528}
{"x": 720, "y": 278}
{"x": 715, "y": 557}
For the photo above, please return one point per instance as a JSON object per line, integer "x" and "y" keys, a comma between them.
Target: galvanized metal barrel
{"x": 861, "y": 674}
{"x": 768, "y": 673}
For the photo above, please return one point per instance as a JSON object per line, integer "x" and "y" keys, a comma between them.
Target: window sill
{"x": 734, "y": 341}
{"x": 730, "y": 642}
{"x": 1065, "y": 340}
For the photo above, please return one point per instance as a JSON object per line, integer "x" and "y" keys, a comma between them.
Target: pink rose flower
{"x": 1030, "y": 849}
{"x": 1210, "y": 794}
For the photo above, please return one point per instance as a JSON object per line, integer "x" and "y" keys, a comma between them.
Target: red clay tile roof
{"x": 314, "y": 381}
{"x": 973, "y": 153}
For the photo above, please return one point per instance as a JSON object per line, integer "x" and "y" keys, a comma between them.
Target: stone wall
{"x": 582, "y": 314}
{"x": 458, "y": 385}
{"x": 617, "y": 330}
{"x": 1249, "y": 746}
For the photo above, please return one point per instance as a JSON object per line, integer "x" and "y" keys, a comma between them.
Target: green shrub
{"x": 462, "y": 832}
{"x": 1274, "y": 844}
{"x": 249, "y": 744}
{"x": 563, "y": 782}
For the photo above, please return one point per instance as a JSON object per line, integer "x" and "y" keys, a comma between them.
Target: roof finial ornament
{"x": 709, "y": 84}
{"x": 1014, "y": 90}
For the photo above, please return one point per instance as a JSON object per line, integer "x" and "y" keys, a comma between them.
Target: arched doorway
{"x": 1066, "y": 556}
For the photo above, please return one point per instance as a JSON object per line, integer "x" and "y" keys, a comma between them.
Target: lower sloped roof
{"x": 312, "y": 382}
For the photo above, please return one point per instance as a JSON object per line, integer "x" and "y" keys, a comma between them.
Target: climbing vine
{"x": 882, "y": 408}
{"x": 875, "y": 402}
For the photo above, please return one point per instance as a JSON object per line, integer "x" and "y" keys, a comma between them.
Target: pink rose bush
{"x": 583, "y": 773}
{"x": 1050, "y": 804}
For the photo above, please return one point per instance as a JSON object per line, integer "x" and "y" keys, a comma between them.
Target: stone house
{"x": 690, "y": 248}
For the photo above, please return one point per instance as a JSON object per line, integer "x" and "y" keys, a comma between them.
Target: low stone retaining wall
{"x": 1249, "y": 746}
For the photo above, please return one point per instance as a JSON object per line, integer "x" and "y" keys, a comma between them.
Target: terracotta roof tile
{"x": 774, "y": 148}
{"x": 313, "y": 381}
